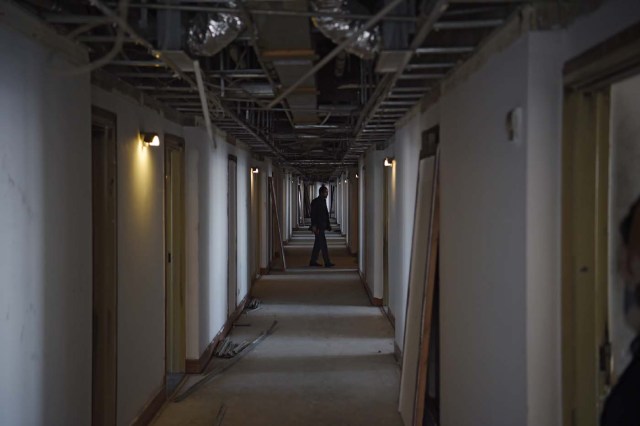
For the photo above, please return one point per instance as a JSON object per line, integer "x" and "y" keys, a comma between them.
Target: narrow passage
{"x": 329, "y": 362}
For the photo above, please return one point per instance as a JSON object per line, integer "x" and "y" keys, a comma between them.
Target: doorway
{"x": 385, "y": 245}
{"x": 175, "y": 346}
{"x": 588, "y": 258}
{"x": 105, "y": 261}
{"x": 232, "y": 212}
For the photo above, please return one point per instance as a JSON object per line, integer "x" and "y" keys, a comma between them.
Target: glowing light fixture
{"x": 345, "y": 181}
{"x": 388, "y": 161}
{"x": 357, "y": 176}
{"x": 254, "y": 170}
{"x": 150, "y": 139}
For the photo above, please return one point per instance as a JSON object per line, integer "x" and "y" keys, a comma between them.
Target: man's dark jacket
{"x": 320, "y": 214}
{"x": 622, "y": 407}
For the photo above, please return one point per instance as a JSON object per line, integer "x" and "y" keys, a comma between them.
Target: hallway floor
{"x": 298, "y": 251}
{"x": 329, "y": 361}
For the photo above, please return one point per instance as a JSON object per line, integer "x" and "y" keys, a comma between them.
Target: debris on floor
{"x": 219, "y": 369}
{"x": 228, "y": 349}
{"x": 253, "y": 304}
{"x": 220, "y": 417}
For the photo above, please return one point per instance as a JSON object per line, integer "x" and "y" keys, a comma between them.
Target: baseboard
{"x": 386, "y": 311}
{"x": 397, "y": 353}
{"x": 197, "y": 366}
{"x": 374, "y": 300}
{"x": 151, "y": 408}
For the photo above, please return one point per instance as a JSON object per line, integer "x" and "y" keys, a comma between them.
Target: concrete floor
{"x": 329, "y": 362}
{"x": 298, "y": 251}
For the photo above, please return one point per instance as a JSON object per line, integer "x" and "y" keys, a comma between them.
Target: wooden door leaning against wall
{"x": 105, "y": 285}
{"x": 175, "y": 345}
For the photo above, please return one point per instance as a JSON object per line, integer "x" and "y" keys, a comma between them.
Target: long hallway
{"x": 329, "y": 360}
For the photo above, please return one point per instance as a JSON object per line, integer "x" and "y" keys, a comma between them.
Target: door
{"x": 105, "y": 285}
{"x": 232, "y": 211}
{"x": 385, "y": 248}
{"x": 174, "y": 260}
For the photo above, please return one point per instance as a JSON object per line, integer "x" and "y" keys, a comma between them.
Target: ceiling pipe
{"x": 269, "y": 12}
{"x": 326, "y": 59}
{"x": 182, "y": 75}
{"x": 428, "y": 22}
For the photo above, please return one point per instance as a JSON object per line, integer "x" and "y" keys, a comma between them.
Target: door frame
{"x": 587, "y": 370}
{"x": 174, "y": 143}
{"x": 232, "y": 299}
{"x": 106, "y": 119}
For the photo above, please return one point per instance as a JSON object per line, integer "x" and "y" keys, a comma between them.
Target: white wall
{"x": 45, "y": 243}
{"x": 482, "y": 263}
{"x": 141, "y": 291}
{"x": 207, "y": 228}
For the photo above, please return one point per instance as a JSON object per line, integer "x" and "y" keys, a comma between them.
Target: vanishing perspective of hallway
{"x": 468, "y": 169}
{"x": 329, "y": 360}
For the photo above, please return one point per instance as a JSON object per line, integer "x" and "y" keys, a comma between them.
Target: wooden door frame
{"x": 585, "y": 185}
{"x": 102, "y": 117}
{"x": 234, "y": 159}
{"x": 386, "y": 176}
{"x": 174, "y": 143}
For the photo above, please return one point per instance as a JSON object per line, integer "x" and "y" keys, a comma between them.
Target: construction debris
{"x": 253, "y": 304}
{"x": 216, "y": 371}
{"x": 220, "y": 417}
{"x": 228, "y": 349}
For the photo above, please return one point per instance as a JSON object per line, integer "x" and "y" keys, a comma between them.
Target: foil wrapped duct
{"x": 209, "y": 33}
{"x": 366, "y": 45}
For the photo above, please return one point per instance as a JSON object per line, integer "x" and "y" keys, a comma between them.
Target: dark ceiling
{"x": 330, "y": 118}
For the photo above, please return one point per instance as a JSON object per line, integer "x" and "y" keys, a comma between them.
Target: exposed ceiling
{"x": 274, "y": 74}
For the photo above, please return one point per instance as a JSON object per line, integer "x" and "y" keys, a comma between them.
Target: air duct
{"x": 209, "y": 33}
{"x": 365, "y": 46}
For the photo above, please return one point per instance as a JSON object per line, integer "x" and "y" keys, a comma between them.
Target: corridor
{"x": 329, "y": 360}
{"x": 161, "y": 163}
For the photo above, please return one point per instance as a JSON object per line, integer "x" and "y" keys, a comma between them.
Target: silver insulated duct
{"x": 209, "y": 33}
{"x": 365, "y": 46}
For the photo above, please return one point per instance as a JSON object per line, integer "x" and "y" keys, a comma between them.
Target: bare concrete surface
{"x": 298, "y": 251}
{"x": 329, "y": 361}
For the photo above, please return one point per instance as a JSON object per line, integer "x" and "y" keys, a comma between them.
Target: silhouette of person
{"x": 320, "y": 224}
{"x": 622, "y": 407}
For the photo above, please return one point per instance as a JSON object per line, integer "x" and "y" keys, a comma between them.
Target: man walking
{"x": 319, "y": 224}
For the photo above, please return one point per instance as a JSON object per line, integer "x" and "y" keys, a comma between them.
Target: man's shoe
{"x": 329, "y": 265}
{"x": 314, "y": 264}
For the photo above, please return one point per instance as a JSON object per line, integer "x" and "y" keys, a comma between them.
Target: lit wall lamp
{"x": 357, "y": 176}
{"x": 345, "y": 181}
{"x": 388, "y": 161}
{"x": 150, "y": 139}
{"x": 254, "y": 170}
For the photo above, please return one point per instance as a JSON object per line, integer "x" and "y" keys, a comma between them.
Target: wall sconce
{"x": 150, "y": 139}
{"x": 357, "y": 176}
{"x": 345, "y": 181}
{"x": 388, "y": 161}
{"x": 254, "y": 170}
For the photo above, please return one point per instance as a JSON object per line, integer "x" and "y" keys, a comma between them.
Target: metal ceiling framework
{"x": 281, "y": 97}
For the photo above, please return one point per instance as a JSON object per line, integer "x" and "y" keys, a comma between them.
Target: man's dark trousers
{"x": 320, "y": 243}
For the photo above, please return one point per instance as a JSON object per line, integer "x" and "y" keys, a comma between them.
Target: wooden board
{"x": 420, "y": 294}
{"x": 274, "y": 206}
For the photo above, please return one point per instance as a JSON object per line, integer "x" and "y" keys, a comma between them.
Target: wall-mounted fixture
{"x": 514, "y": 125}
{"x": 150, "y": 139}
{"x": 254, "y": 170}
{"x": 388, "y": 161}
{"x": 357, "y": 176}
{"x": 345, "y": 181}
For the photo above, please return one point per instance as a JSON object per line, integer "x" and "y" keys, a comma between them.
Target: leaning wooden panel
{"x": 427, "y": 304}
{"x": 418, "y": 289}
